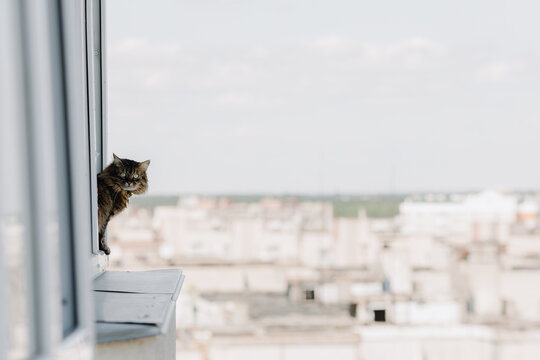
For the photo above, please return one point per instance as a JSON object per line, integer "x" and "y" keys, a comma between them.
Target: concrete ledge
{"x": 131, "y": 305}
{"x": 151, "y": 346}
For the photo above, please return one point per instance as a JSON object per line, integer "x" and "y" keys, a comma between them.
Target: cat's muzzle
{"x": 129, "y": 187}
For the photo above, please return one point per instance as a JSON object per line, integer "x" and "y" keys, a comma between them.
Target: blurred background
{"x": 336, "y": 178}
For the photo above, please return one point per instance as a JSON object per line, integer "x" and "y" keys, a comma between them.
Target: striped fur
{"x": 116, "y": 183}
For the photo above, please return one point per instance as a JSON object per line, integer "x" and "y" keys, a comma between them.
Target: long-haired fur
{"x": 116, "y": 183}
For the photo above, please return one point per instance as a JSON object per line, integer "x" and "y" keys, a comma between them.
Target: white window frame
{"x": 80, "y": 344}
{"x": 94, "y": 13}
{"x": 50, "y": 65}
{"x": 97, "y": 111}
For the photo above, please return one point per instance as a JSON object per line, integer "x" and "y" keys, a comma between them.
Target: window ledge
{"x": 135, "y": 304}
{"x": 100, "y": 263}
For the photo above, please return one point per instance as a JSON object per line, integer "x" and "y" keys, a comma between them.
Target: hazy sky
{"x": 326, "y": 96}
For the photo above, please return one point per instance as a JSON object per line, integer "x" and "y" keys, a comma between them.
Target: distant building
{"x": 486, "y": 216}
{"x": 449, "y": 276}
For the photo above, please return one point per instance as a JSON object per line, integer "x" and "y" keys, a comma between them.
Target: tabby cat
{"x": 116, "y": 183}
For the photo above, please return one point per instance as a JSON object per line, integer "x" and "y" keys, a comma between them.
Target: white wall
{"x": 319, "y": 351}
{"x": 419, "y": 343}
{"x": 484, "y": 216}
{"x": 521, "y": 292}
{"x": 381, "y": 343}
{"x": 429, "y": 313}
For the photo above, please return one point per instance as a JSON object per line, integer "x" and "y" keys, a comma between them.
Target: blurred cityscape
{"x": 431, "y": 276}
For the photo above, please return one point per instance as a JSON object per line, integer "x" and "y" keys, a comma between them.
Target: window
{"x": 353, "y": 309}
{"x": 97, "y": 127}
{"x": 309, "y": 294}
{"x": 379, "y": 315}
{"x": 44, "y": 232}
{"x": 386, "y": 285}
{"x": 14, "y": 207}
{"x": 470, "y": 305}
{"x": 52, "y": 145}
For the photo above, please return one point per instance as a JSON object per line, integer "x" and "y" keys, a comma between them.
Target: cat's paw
{"x": 103, "y": 247}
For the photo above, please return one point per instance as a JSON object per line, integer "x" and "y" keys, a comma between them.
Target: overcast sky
{"x": 326, "y": 96}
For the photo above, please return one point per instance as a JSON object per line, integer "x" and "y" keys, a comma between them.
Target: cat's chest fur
{"x": 121, "y": 202}
{"x": 112, "y": 199}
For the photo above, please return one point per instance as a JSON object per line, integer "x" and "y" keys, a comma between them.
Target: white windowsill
{"x": 135, "y": 304}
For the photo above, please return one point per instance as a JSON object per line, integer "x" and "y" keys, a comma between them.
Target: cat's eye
{"x": 135, "y": 176}
{"x": 123, "y": 175}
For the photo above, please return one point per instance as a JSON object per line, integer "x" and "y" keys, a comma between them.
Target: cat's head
{"x": 130, "y": 175}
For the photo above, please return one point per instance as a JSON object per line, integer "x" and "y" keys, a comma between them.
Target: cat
{"x": 116, "y": 183}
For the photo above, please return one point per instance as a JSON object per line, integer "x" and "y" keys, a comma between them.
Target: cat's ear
{"x": 144, "y": 165}
{"x": 117, "y": 161}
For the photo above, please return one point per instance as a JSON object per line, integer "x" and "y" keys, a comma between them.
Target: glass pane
{"x": 13, "y": 206}
{"x": 13, "y": 232}
{"x": 35, "y": 233}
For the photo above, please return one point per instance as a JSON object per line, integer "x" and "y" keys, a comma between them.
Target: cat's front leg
{"x": 103, "y": 244}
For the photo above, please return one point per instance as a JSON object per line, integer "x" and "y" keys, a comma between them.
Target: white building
{"x": 271, "y": 230}
{"x": 277, "y": 276}
{"x": 485, "y": 216}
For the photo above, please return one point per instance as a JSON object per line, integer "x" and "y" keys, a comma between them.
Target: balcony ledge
{"x": 135, "y": 304}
